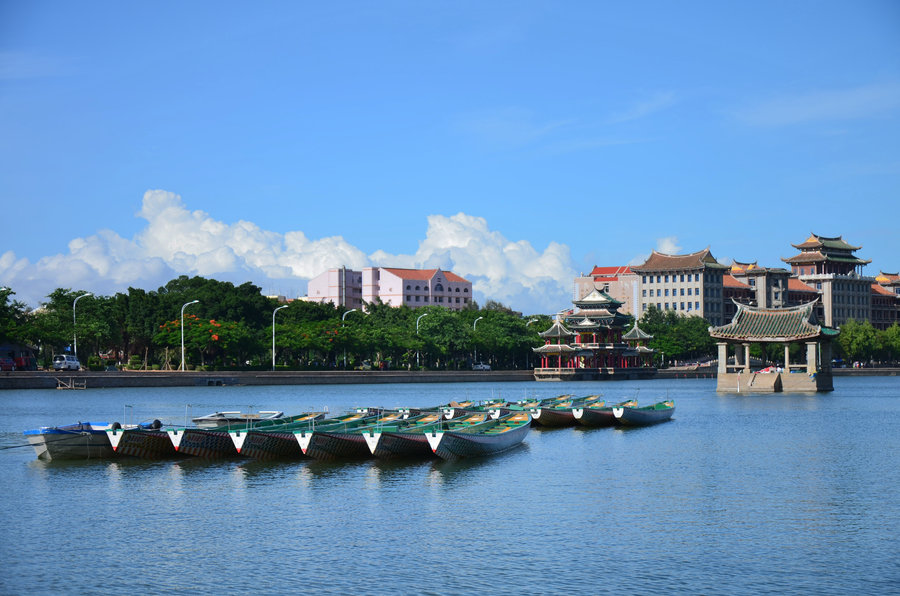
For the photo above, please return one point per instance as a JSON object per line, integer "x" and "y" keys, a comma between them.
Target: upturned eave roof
{"x": 772, "y": 325}
{"x": 556, "y": 330}
{"x": 832, "y": 242}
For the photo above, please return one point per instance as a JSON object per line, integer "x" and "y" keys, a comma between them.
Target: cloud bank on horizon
{"x": 177, "y": 241}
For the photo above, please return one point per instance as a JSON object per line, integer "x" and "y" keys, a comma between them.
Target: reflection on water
{"x": 710, "y": 502}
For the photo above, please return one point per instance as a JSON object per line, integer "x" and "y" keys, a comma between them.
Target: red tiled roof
{"x": 876, "y": 289}
{"x": 612, "y": 272}
{"x": 795, "y": 285}
{"x": 729, "y": 281}
{"x": 423, "y": 274}
{"x": 887, "y": 278}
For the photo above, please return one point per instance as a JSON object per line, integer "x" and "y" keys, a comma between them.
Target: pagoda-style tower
{"x": 829, "y": 265}
{"x": 594, "y": 346}
{"x": 639, "y": 353}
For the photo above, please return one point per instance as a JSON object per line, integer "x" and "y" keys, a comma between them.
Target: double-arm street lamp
{"x": 417, "y": 333}
{"x": 474, "y": 325}
{"x": 182, "y": 329}
{"x": 273, "y": 333}
{"x": 74, "y": 329}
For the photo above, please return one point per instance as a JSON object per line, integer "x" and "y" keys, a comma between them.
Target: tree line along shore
{"x": 235, "y": 327}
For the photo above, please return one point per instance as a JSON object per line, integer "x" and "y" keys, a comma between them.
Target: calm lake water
{"x": 737, "y": 494}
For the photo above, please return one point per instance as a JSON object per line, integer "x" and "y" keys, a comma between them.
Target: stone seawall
{"x": 95, "y": 380}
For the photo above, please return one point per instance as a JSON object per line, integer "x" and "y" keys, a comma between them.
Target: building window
{"x": 697, "y": 305}
{"x": 657, "y": 279}
{"x": 667, "y": 306}
{"x": 457, "y": 291}
{"x": 644, "y": 306}
{"x": 696, "y": 277}
{"x": 418, "y": 288}
{"x": 466, "y": 290}
{"x": 667, "y": 291}
{"x": 689, "y": 291}
{"x": 426, "y": 298}
{"x": 667, "y": 279}
{"x": 644, "y": 293}
{"x": 408, "y": 287}
{"x": 417, "y": 298}
{"x": 439, "y": 288}
{"x": 682, "y": 306}
{"x": 682, "y": 293}
{"x": 643, "y": 279}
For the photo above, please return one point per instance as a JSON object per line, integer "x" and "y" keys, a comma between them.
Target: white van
{"x": 64, "y": 362}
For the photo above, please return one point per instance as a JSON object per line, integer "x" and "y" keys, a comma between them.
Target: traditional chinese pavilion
{"x": 587, "y": 343}
{"x": 785, "y": 326}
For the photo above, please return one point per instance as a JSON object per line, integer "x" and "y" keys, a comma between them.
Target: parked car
{"x": 7, "y": 364}
{"x": 481, "y": 366}
{"x": 66, "y": 362}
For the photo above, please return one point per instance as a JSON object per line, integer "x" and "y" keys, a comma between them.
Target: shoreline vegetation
{"x": 210, "y": 325}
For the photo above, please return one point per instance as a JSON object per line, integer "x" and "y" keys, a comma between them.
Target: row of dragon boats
{"x": 453, "y": 431}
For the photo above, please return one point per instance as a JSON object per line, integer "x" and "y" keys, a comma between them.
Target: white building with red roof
{"x": 394, "y": 286}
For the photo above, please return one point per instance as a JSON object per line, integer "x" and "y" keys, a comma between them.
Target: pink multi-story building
{"x": 392, "y": 285}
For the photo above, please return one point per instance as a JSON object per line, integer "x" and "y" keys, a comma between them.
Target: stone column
{"x": 723, "y": 357}
{"x": 825, "y": 349}
{"x": 746, "y": 357}
{"x": 787, "y": 357}
{"x": 811, "y": 357}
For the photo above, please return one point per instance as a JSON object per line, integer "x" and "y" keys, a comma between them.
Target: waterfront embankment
{"x": 96, "y": 380}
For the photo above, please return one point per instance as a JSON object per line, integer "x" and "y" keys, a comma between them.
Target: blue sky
{"x": 515, "y": 143}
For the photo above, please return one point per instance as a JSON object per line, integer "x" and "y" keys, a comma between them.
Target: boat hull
{"x": 455, "y": 445}
{"x": 388, "y": 445}
{"x": 333, "y": 445}
{"x": 594, "y": 417}
{"x": 141, "y": 443}
{"x": 205, "y": 443}
{"x": 627, "y": 416}
{"x": 267, "y": 445}
{"x": 552, "y": 417}
{"x": 86, "y": 440}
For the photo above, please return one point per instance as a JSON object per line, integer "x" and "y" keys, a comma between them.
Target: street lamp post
{"x": 475, "y": 324}
{"x": 417, "y": 333}
{"x": 74, "y": 329}
{"x": 344, "y": 316}
{"x": 528, "y": 355}
{"x": 182, "y": 329}
{"x": 273, "y": 333}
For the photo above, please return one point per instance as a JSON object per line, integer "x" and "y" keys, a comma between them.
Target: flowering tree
{"x": 211, "y": 340}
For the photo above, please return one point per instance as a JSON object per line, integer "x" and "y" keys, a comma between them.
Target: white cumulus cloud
{"x": 177, "y": 241}
{"x": 511, "y": 272}
{"x": 667, "y": 245}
